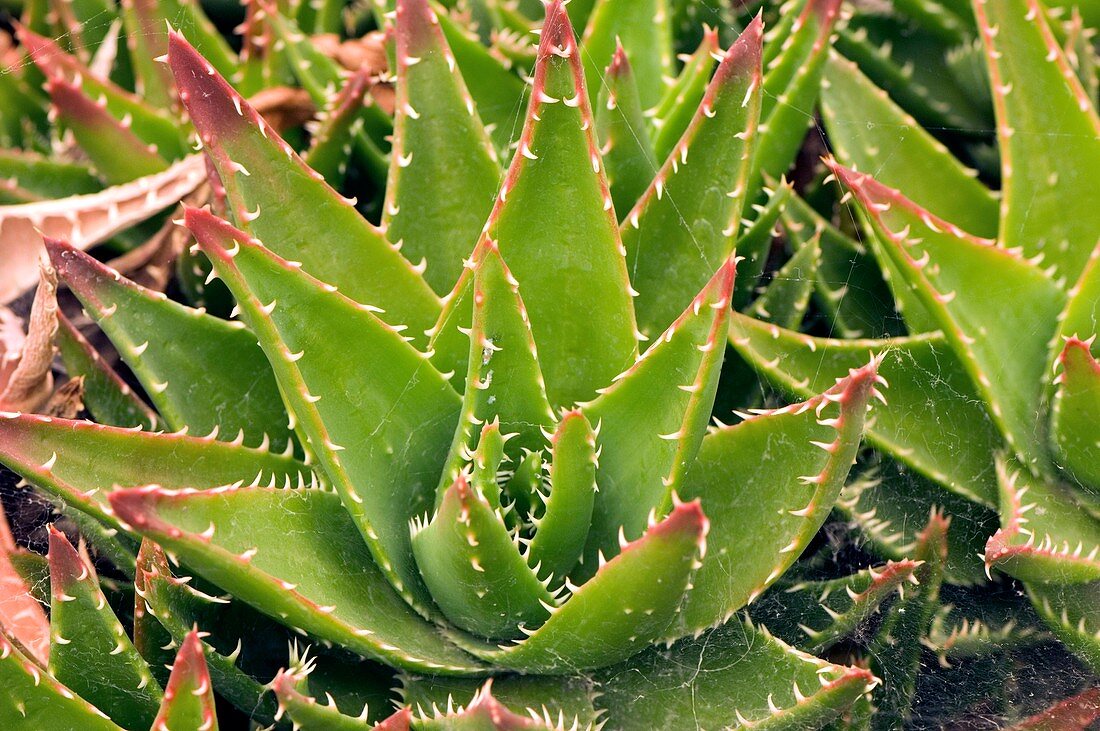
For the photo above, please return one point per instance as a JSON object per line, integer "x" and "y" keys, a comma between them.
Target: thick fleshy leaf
{"x": 1045, "y": 536}
{"x": 791, "y": 84}
{"x": 109, "y": 399}
{"x": 850, "y": 290}
{"x": 497, "y": 92}
{"x": 736, "y": 676}
{"x": 767, "y": 485}
{"x": 27, "y": 176}
{"x": 1072, "y": 611}
{"x": 444, "y": 173}
{"x": 163, "y": 132}
{"x": 754, "y": 244}
{"x": 170, "y": 608}
{"x": 21, "y": 615}
{"x": 90, "y": 652}
{"x": 669, "y": 390}
{"x": 297, "y": 556}
{"x": 1074, "y": 426}
{"x": 869, "y": 132}
{"x": 785, "y": 300}
{"x": 189, "y": 695}
{"x": 474, "y": 568}
{"x": 642, "y": 27}
{"x": 896, "y": 649}
{"x": 550, "y": 698}
{"x": 334, "y": 243}
{"x": 684, "y": 226}
{"x": 201, "y": 372}
{"x": 503, "y": 379}
{"x": 586, "y": 331}
{"x": 65, "y": 458}
{"x": 381, "y": 430}
{"x": 817, "y": 614}
{"x": 678, "y": 106}
{"x": 331, "y": 144}
{"x": 147, "y": 23}
{"x": 624, "y": 135}
{"x": 949, "y": 438}
{"x": 1049, "y": 137}
{"x": 887, "y": 504}
{"x": 562, "y": 529}
{"x": 1002, "y": 346}
{"x": 31, "y": 698}
{"x": 306, "y": 712}
{"x": 119, "y": 156}
{"x": 483, "y": 713}
{"x": 627, "y": 605}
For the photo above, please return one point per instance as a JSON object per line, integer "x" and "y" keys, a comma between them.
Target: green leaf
{"x": 29, "y": 177}
{"x": 89, "y": 650}
{"x": 849, "y": 284}
{"x": 787, "y": 297}
{"x": 65, "y": 459}
{"x": 306, "y": 712}
{"x": 562, "y": 529}
{"x": 109, "y": 399}
{"x": 146, "y": 23}
{"x": 755, "y": 242}
{"x": 331, "y": 145}
{"x": 381, "y": 430}
{"x": 296, "y": 556}
{"x": 171, "y": 608}
{"x": 474, "y": 568}
{"x": 791, "y": 85}
{"x": 678, "y": 106}
{"x": 735, "y": 676}
{"x": 164, "y": 133}
{"x": 869, "y": 132}
{"x": 817, "y": 614}
{"x": 444, "y": 173}
{"x": 31, "y": 698}
{"x": 642, "y": 27}
{"x": 533, "y": 695}
{"x": 585, "y": 332}
{"x": 624, "y": 136}
{"x": 887, "y": 503}
{"x": 625, "y": 607}
{"x": 189, "y": 696}
{"x": 653, "y": 418}
{"x": 947, "y": 436}
{"x": 1074, "y": 429}
{"x": 503, "y": 379}
{"x": 118, "y": 155}
{"x": 683, "y": 228}
{"x": 1049, "y": 136}
{"x": 497, "y": 92}
{"x": 1002, "y": 346}
{"x": 333, "y": 242}
{"x": 1045, "y": 536}
{"x": 483, "y": 713}
{"x": 1072, "y": 611}
{"x": 767, "y": 485}
{"x": 201, "y": 372}
{"x": 896, "y": 650}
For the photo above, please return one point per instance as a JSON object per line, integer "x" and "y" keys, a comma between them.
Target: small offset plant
{"x": 427, "y": 439}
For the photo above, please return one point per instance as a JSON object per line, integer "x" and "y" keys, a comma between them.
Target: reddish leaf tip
{"x": 685, "y": 518}
{"x": 557, "y": 32}
{"x": 66, "y": 566}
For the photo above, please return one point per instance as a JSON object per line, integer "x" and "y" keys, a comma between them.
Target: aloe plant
{"x": 425, "y": 432}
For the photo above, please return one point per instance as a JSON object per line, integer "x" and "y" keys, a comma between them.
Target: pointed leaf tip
{"x": 66, "y": 566}
{"x": 685, "y": 518}
{"x": 745, "y": 53}
{"x": 557, "y": 32}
